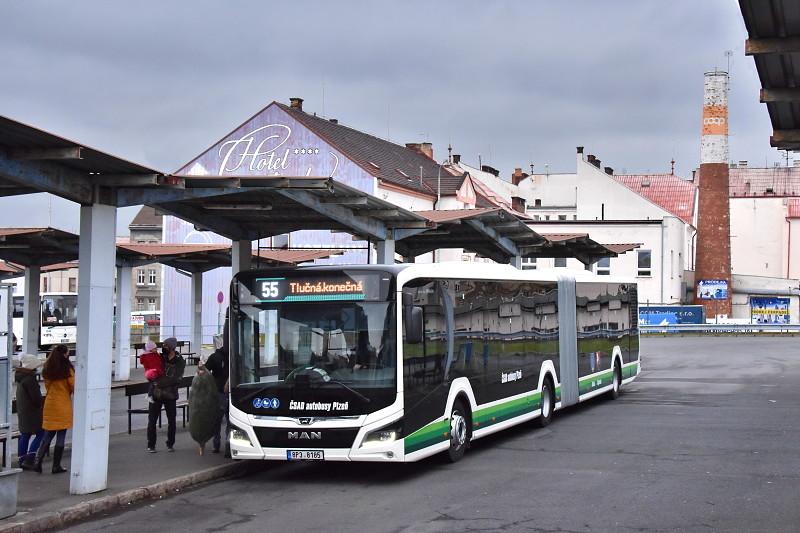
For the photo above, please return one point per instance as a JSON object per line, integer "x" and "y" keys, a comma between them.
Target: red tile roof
{"x": 793, "y": 208}
{"x": 669, "y": 192}
{"x": 777, "y": 181}
{"x": 294, "y": 257}
{"x": 449, "y": 215}
{"x": 160, "y": 250}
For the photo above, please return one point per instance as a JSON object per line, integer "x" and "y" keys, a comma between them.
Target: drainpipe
{"x": 789, "y": 250}
{"x": 662, "y": 260}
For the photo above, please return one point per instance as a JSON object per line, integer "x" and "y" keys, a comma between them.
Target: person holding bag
{"x": 165, "y": 395}
{"x": 29, "y": 409}
{"x": 59, "y": 380}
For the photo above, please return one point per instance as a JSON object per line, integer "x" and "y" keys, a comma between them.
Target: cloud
{"x": 514, "y": 82}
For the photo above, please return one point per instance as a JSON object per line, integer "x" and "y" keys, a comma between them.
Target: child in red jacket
{"x": 152, "y": 363}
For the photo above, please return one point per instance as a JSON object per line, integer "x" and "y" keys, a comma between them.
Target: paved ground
{"x": 706, "y": 440}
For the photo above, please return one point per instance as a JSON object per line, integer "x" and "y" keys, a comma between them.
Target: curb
{"x": 112, "y": 502}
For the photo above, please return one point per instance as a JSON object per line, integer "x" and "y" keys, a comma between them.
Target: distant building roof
{"x": 776, "y": 181}
{"x": 671, "y": 193}
{"x": 383, "y": 159}
{"x": 147, "y": 217}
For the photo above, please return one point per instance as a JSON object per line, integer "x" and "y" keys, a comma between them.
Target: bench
{"x": 137, "y": 389}
{"x": 189, "y": 356}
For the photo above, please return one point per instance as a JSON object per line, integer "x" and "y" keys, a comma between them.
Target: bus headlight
{"x": 384, "y": 435}
{"x": 239, "y": 437}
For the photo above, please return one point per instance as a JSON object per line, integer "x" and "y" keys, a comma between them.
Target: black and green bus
{"x": 400, "y": 362}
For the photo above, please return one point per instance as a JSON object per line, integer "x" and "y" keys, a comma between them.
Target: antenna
{"x": 728, "y": 56}
{"x": 388, "y": 118}
{"x": 323, "y": 97}
{"x": 672, "y": 166}
{"x": 531, "y": 169}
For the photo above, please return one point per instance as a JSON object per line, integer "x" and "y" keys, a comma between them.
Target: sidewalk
{"x": 44, "y": 501}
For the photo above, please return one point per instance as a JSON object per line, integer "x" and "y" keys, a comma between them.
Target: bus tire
{"x": 548, "y": 404}
{"x": 616, "y": 385}
{"x": 459, "y": 431}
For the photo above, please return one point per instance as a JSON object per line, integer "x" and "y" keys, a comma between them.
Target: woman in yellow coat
{"x": 59, "y": 380}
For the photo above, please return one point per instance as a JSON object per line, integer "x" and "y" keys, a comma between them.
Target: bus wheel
{"x": 548, "y": 404}
{"x": 617, "y": 384}
{"x": 459, "y": 432}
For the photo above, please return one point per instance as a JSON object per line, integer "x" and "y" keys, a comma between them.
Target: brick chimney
{"x": 296, "y": 103}
{"x": 609, "y": 171}
{"x": 457, "y": 159}
{"x": 518, "y": 204}
{"x": 518, "y": 176}
{"x": 425, "y": 149}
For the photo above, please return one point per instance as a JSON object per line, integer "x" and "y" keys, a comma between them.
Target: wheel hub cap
{"x": 458, "y": 430}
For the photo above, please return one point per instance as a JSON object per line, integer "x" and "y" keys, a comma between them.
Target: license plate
{"x": 305, "y": 455}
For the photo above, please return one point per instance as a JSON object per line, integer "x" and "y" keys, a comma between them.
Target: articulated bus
{"x": 59, "y": 319}
{"x": 400, "y": 362}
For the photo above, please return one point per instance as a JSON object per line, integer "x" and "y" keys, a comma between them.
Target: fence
{"x": 722, "y": 329}
{"x": 180, "y": 332}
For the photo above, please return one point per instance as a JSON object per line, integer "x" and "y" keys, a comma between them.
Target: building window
{"x": 560, "y": 262}
{"x": 604, "y": 266}
{"x": 537, "y": 217}
{"x": 643, "y": 257}
{"x": 562, "y": 217}
{"x": 574, "y": 217}
{"x": 151, "y": 304}
{"x": 140, "y": 304}
{"x": 151, "y": 276}
{"x": 537, "y": 202}
{"x": 44, "y": 284}
{"x": 140, "y": 276}
{"x": 547, "y": 217}
{"x": 73, "y": 284}
{"x": 528, "y": 263}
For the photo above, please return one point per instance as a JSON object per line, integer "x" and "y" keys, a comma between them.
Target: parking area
{"x": 707, "y": 439}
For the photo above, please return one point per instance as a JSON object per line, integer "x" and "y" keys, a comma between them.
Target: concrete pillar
{"x": 196, "y": 335}
{"x": 385, "y": 252}
{"x": 96, "y": 253}
{"x": 588, "y": 266}
{"x": 122, "y": 340}
{"x": 516, "y": 261}
{"x": 32, "y": 314}
{"x": 241, "y": 256}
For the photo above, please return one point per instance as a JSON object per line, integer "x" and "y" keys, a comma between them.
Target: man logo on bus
{"x": 275, "y": 403}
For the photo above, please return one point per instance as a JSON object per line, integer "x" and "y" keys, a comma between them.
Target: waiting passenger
{"x": 29, "y": 409}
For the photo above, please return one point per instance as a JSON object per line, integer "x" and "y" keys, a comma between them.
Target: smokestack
{"x": 609, "y": 171}
{"x": 580, "y": 149}
{"x": 518, "y": 176}
{"x": 425, "y": 149}
{"x": 713, "y": 211}
{"x": 456, "y": 159}
{"x": 296, "y": 103}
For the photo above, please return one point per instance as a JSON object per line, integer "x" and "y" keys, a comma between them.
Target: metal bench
{"x": 138, "y": 389}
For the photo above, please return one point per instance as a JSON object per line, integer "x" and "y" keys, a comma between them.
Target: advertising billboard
{"x": 712, "y": 289}
{"x": 665, "y": 315}
{"x": 769, "y": 310}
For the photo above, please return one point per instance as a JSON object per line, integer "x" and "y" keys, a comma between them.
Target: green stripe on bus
{"x": 433, "y": 433}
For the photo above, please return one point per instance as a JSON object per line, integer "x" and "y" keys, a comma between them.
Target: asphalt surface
{"x": 706, "y": 439}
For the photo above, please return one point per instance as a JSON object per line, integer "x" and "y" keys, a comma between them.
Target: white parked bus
{"x": 59, "y": 319}
{"x": 397, "y": 363}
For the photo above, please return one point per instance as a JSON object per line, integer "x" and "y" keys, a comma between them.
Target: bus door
{"x": 567, "y": 341}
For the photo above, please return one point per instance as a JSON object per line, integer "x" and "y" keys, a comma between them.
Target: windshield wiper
{"x": 350, "y": 389}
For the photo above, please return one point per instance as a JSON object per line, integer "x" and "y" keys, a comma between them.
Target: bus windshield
{"x": 307, "y": 355}
{"x": 59, "y": 310}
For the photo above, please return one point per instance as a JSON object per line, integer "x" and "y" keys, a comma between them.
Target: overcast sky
{"x": 514, "y": 82}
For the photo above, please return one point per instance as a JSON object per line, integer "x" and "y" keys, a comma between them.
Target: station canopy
{"x": 37, "y": 246}
{"x": 499, "y": 234}
{"x": 773, "y": 28}
{"x": 277, "y": 205}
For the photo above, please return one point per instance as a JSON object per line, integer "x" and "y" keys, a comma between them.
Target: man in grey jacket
{"x": 165, "y": 394}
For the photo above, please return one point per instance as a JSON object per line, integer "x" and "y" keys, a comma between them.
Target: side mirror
{"x": 413, "y": 325}
{"x": 412, "y": 320}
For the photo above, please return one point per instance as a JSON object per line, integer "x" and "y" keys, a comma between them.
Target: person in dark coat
{"x": 29, "y": 409}
{"x": 217, "y": 363}
{"x": 165, "y": 395}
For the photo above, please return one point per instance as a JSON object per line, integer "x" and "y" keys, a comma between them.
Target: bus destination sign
{"x": 308, "y": 290}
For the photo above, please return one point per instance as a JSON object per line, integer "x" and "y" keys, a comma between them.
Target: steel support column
{"x": 241, "y": 256}
{"x": 196, "y": 335}
{"x": 122, "y": 339}
{"x": 89, "y": 464}
{"x": 385, "y": 252}
{"x": 32, "y": 314}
